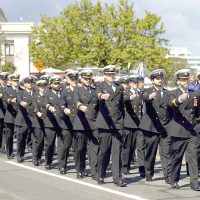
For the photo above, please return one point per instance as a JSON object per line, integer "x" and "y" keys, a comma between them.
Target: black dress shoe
{"x": 3, "y": 151}
{"x": 10, "y": 157}
{"x": 167, "y": 181}
{"x": 109, "y": 168}
{"x": 80, "y": 175}
{"x": 29, "y": 149}
{"x": 142, "y": 175}
{"x": 149, "y": 179}
{"x": 175, "y": 186}
{"x": 62, "y": 170}
{"x": 35, "y": 162}
{"x": 100, "y": 181}
{"x": 84, "y": 173}
{"x": 48, "y": 166}
{"x": 120, "y": 183}
{"x": 142, "y": 171}
{"x": 40, "y": 161}
{"x": 195, "y": 188}
{"x": 126, "y": 171}
{"x": 20, "y": 160}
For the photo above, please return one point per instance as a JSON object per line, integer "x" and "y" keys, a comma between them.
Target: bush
{"x": 8, "y": 67}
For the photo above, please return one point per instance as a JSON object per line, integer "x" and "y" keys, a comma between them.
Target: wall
{"x": 20, "y": 34}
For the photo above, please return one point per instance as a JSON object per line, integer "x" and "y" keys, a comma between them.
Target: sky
{"x": 180, "y": 18}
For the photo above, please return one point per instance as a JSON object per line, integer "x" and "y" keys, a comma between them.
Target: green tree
{"x": 2, "y": 40}
{"x": 176, "y": 64}
{"x": 5, "y": 66}
{"x": 97, "y": 34}
{"x": 8, "y": 67}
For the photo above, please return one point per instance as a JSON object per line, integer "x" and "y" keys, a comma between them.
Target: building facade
{"x": 193, "y": 61}
{"x": 15, "y": 45}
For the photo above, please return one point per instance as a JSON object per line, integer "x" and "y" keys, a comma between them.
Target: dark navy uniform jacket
{"x": 11, "y": 108}
{"x": 158, "y": 112}
{"x": 53, "y": 120}
{"x": 2, "y": 106}
{"x": 24, "y": 116}
{"x": 39, "y": 104}
{"x": 86, "y": 97}
{"x": 67, "y": 101}
{"x": 110, "y": 114}
{"x": 184, "y": 123}
{"x": 132, "y": 109}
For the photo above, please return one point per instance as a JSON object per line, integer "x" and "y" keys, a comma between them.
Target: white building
{"x": 15, "y": 47}
{"x": 14, "y": 40}
{"x": 193, "y": 61}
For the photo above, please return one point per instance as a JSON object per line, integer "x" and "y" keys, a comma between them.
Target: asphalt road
{"x": 27, "y": 182}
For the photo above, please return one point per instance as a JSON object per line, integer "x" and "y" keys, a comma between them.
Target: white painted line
{"x": 131, "y": 196}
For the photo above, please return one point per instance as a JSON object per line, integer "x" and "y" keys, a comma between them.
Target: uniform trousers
{"x": 29, "y": 144}
{"x": 133, "y": 139}
{"x": 198, "y": 153}
{"x": 49, "y": 143}
{"x": 152, "y": 140}
{"x": 92, "y": 150}
{"x": 9, "y": 132}
{"x": 106, "y": 139}
{"x": 64, "y": 141}
{"x": 129, "y": 142}
{"x": 140, "y": 146}
{"x": 37, "y": 138}
{"x": 2, "y": 138}
{"x": 179, "y": 147}
{"x": 80, "y": 148}
{"x": 22, "y": 133}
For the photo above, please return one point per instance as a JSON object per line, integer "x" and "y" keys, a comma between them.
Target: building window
{"x": 9, "y": 48}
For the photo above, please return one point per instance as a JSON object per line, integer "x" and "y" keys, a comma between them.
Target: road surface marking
{"x": 131, "y": 196}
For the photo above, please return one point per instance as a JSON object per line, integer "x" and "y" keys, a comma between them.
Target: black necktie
{"x": 159, "y": 95}
{"x": 136, "y": 92}
{"x": 89, "y": 90}
{"x": 113, "y": 87}
{"x": 58, "y": 94}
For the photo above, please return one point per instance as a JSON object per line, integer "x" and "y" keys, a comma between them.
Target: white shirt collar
{"x": 29, "y": 91}
{"x": 161, "y": 88}
{"x": 55, "y": 91}
{"x": 184, "y": 91}
{"x": 15, "y": 88}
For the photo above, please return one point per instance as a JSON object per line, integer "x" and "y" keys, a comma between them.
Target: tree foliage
{"x": 2, "y": 40}
{"x": 176, "y": 64}
{"x": 97, "y": 34}
{"x": 4, "y": 65}
{"x": 8, "y": 67}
